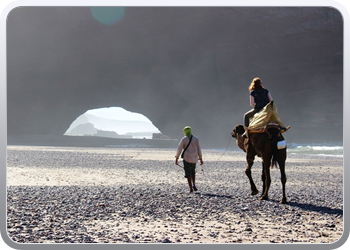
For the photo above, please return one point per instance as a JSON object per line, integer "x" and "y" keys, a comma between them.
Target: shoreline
{"x": 88, "y": 141}
{"x": 128, "y": 195}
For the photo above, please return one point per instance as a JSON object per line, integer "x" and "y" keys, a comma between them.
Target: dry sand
{"x": 138, "y": 195}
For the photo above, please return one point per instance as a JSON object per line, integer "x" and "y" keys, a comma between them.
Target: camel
{"x": 263, "y": 145}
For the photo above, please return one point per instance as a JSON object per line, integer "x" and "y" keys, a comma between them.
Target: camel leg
{"x": 281, "y": 163}
{"x": 283, "y": 180}
{"x": 267, "y": 182}
{"x": 248, "y": 172}
{"x": 263, "y": 177}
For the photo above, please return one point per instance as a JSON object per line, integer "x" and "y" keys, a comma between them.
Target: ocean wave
{"x": 334, "y": 150}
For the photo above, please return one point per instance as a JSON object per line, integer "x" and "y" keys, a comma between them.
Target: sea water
{"x": 321, "y": 149}
{"x": 334, "y": 149}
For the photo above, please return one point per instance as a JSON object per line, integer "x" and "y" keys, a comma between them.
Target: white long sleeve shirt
{"x": 193, "y": 153}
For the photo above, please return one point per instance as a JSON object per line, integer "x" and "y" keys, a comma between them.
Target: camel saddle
{"x": 264, "y": 119}
{"x": 265, "y": 128}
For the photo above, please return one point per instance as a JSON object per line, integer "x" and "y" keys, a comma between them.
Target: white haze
{"x": 117, "y": 113}
{"x": 117, "y": 120}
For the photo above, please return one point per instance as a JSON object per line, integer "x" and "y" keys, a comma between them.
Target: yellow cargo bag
{"x": 268, "y": 115}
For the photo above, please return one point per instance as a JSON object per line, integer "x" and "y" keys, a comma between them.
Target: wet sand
{"x": 138, "y": 195}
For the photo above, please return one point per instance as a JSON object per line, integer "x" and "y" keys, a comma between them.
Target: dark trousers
{"x": 190, "y": 168}
{"x": 249, "y": 115}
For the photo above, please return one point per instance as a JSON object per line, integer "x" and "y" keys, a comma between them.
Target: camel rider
{"x": 259, "y": 98}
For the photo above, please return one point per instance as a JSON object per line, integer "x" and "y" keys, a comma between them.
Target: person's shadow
{"x": 215, "y": 195}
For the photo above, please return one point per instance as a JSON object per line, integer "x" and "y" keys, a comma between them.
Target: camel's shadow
{"x": 311, "y": 207}
{"x": 315, "y": 208}
{"x": 304, "y": 206}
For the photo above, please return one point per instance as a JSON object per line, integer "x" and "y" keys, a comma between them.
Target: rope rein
{"x": 223, "y": 152}
{"x": 225, "y": 149}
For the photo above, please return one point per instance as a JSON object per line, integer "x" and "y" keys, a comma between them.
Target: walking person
{"x": 191, "y": 153}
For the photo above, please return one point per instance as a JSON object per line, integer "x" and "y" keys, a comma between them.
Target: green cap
{"x": 187, "y": 131}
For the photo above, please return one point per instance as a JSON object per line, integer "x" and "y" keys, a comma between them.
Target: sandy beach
{"x": 138, "y": 195}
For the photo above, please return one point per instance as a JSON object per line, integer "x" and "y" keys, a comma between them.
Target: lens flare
{"x": 108, "y": 15}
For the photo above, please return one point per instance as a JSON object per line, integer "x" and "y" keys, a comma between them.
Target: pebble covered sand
{"x": 138, "y": 195}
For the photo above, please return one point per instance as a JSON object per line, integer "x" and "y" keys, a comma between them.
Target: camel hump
{"x": 273, "y": 125}
{"x": 278, "y": 126}
{"x": 265, "y": 128}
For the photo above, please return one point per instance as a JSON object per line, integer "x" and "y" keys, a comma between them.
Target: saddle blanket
{"x": 266, "y": 117}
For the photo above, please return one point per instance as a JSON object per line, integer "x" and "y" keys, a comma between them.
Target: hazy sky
{"x": 177, "y": 66}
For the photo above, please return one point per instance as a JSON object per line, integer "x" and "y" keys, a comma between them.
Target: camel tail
{"x": 274, "y": 150}
{"x": 274, "y": 162}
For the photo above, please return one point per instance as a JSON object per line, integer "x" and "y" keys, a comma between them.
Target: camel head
{"x": 238, "y": 130}
{"x": 237, "y": 133}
